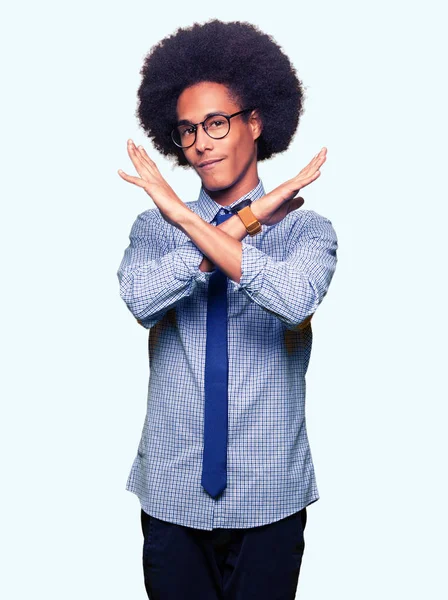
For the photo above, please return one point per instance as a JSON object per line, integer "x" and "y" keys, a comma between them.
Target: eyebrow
{"x": 210, "y": 114}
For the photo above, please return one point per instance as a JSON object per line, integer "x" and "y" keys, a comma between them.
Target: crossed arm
{"x": 221, "y": 245}
{"x": 210, "y": 240}
{"x": 153, "y": 278}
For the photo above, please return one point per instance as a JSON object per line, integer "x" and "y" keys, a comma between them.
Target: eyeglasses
{"x": 216, "y": 126}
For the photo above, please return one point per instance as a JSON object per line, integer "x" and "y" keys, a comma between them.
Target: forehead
{"x": 203, "y": 98}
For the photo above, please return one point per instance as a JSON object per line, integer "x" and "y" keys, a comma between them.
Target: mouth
{"x": 209, "y": 164}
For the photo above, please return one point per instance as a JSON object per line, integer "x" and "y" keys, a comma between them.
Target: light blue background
{"x": 75, "y": 365}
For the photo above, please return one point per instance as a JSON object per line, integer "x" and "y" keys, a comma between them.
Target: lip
{"x": 208, "y": 164}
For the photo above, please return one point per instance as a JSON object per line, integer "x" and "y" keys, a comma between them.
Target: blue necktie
{"x": 214, "y": 462}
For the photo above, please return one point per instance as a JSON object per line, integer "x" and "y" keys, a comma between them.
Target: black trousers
{"x": 259, "y": 563}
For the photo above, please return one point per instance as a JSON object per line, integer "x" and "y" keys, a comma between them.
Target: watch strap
{"x": 250, "y": 221}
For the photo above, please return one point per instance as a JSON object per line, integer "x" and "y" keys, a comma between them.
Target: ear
{"x": 255, "y": 124}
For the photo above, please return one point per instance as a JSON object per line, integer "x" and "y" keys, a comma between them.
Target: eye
{"x": 186, "y": 131}
{"x": 216, "y": 123}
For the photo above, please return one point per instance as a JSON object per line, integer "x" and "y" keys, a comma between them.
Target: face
{"x": 235, "y": 168}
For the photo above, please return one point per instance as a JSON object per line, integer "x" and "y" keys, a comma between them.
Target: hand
{"x": 154, "y": 184}
{"x": 273, "y": 207}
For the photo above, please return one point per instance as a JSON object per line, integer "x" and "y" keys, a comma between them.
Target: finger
{"x": 145, "y": 156}
{"x": 304, "y": 180}
{"x": 134, "y": 180}
{"x": 322, "y": 152}
{"x": 297, "y": 202}
{"x": 135, "y": 156}
{"x": 132, "y": 150}
{"x": 320, "y": 157}
{"x": 146, "y": 162}
{"x": 313, "y": 166}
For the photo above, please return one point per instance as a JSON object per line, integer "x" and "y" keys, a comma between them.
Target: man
{"x": 227, "y": 286}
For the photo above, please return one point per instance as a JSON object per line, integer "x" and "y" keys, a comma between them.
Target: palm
{"x": 282, "y": 200}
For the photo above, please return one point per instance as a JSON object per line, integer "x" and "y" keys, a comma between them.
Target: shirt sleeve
{"x": 152, "y": 278}
{"x": 293, "y": 288}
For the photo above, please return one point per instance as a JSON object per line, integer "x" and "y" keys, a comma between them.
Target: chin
{"x": 216, "y": 184}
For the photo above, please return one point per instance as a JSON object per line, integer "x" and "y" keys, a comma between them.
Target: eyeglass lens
{"x": 216, "y": 126}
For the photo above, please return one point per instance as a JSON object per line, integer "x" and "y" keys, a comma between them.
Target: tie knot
{"x": 222, "y": 216}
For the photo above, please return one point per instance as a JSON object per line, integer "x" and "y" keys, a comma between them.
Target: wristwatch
{"x": 251, "y": 223}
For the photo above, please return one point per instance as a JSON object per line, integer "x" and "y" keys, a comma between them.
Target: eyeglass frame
{"x": 196, "y": 125}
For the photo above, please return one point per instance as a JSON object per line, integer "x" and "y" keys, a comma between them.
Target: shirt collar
{"x": 207, "y": 208}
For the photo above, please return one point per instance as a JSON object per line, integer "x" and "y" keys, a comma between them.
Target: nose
{"x": 203, "y": 141}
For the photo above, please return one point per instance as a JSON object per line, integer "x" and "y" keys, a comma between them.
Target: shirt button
{"x": 222, "y": 212}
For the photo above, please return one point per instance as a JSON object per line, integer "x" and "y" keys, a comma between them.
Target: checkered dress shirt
{"x": 286, "y": 272}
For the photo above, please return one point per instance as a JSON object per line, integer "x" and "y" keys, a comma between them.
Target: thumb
{"x": 296, "y": 203}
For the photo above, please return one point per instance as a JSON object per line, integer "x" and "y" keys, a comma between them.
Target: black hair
{"x": 237, "y": 54}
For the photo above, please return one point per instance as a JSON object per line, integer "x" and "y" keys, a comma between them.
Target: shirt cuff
{"x": 187, "y": 259}
{"x": 253, "y": 263}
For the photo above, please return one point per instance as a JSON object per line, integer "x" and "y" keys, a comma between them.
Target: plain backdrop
{"x": 74, "y": 360}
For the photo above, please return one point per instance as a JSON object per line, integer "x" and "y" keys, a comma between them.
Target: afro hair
{"x": 237, "y": 54}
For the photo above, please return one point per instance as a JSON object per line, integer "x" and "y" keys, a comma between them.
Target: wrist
{"x": 259, "y": 211}
{"x": 183, "y": 218}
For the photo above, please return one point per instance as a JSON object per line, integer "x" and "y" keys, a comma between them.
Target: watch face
{"x": 241, "y": 205}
